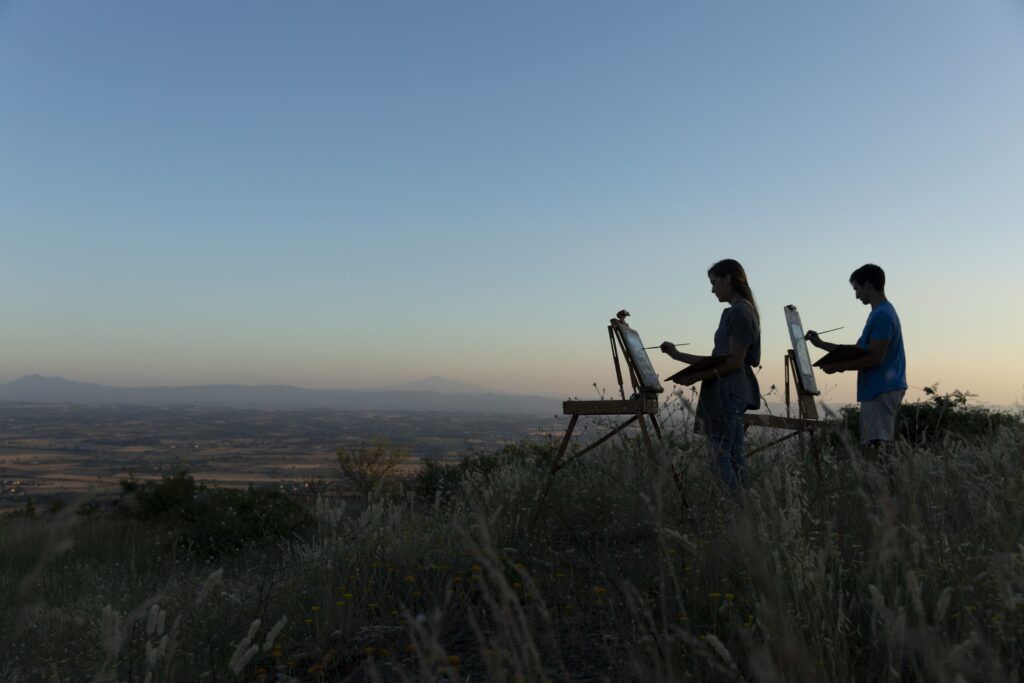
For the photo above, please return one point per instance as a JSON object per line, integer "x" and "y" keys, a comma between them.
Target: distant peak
{"x": 36, "y": 377}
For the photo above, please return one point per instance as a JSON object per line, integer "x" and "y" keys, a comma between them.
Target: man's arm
{"x": 734, "y": 362}
{"x": 875, "y": 356}
{"x": 813, "y": 337}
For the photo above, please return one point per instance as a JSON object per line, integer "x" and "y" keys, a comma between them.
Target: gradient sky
{"x": 343, "y": 194}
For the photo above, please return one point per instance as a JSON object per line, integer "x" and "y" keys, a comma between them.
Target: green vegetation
{"x": 940, "y": 416}
{"x": 803, "y": 580}
{"x": 367, "y": 467}
{"x": 445, "y": 484}
{"x": 213, "y": 521}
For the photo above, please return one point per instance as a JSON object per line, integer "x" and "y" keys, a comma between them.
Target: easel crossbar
{"x": 637, "y": 406}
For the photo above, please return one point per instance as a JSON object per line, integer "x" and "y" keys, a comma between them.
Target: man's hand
{"x": 830, "y": 369}
{"x": 668, "y": 347}
{"x": 812, "y": 337}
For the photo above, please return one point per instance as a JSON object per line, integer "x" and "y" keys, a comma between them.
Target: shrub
{"x": 214, "y": 521}
{"x": 365, "y": 467}
{"x": 443, "y": 482}
{"x": 167, "y": 498}
{"x": 939, "y": 416}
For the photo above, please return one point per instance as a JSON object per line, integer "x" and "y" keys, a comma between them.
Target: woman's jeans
{"x": 728, "y": 456}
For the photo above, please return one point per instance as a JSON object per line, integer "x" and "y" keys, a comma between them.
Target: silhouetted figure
{"x": 730, "y": 389}
{"x": 882, "y": 373}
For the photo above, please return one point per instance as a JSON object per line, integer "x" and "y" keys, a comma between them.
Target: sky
{"x": 355, "y": 194}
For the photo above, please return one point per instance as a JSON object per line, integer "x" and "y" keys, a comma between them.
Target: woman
{"x": 730, "y": 389}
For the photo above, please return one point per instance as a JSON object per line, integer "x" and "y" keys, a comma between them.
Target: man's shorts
{"x": 878, "y": 416}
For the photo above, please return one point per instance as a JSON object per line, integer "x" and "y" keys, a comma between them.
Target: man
{"x": 882, "y": 373}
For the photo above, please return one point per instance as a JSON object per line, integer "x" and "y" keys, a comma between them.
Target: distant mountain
{"x": 442, "y": 386}
{"x": 446, "y": 396}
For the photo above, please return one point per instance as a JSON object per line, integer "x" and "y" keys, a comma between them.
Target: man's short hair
{"x": 871, "y": 274}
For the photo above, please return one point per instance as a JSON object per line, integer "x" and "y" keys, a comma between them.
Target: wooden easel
{"x": 643, "y": 402}
{"x": 806, "y": 422}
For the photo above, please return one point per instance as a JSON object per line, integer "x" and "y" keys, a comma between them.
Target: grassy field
{"x": 806, "y": 578}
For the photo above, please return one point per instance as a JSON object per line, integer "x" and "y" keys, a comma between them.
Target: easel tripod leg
{"x": 816, "y": 450}
{"x": 556, "y": 464}
{"x": 647, "y": 438}
{"x": 657, "y": 427}
{"x": 565, "y": 444}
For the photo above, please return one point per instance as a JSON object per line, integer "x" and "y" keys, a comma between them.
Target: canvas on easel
{"x": 803, "y": 359}
{"x": 800, "y": 366}
{"x": 637, "y": 358}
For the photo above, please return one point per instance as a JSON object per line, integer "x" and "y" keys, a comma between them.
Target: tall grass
{"x": 801, "y": 579}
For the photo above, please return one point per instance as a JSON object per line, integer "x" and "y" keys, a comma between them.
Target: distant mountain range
{"x": 433, "y": 393}
{"x": 441, "y": 386}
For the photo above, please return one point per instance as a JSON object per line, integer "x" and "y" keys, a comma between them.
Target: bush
{"x": 937, "y": 417}
{"x": 366, "y": 466}
{"x": 167, "y": 498}
{"x": 442, "y": 482}
{"x": 214, "y": 521}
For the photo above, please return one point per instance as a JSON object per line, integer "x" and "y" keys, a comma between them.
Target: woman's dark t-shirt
{"x": 739, "y": 321}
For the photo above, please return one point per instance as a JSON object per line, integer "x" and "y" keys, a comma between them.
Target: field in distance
{"x": 60, "y": 451}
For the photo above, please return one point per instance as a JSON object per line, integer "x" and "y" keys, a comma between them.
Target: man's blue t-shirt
{"x": 891, "y": 374}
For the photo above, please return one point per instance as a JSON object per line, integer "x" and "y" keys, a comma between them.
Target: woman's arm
{"x": 733, "y": 362}
{"x": 669, "y": 349}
